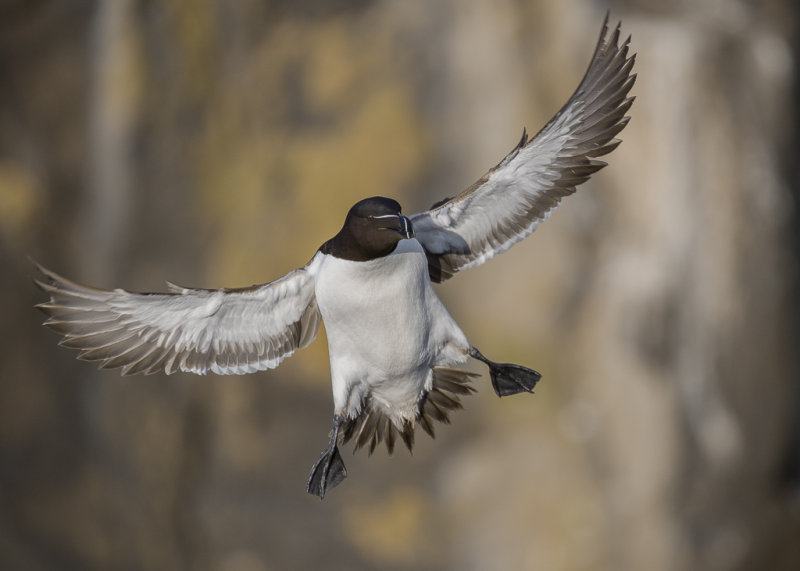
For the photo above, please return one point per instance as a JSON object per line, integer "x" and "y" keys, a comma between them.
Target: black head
{"x": 372, "y": 229}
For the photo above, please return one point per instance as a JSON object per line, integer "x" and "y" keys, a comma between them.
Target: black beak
{"x": 406, "y": 230}
{"x": 403, "y": 227}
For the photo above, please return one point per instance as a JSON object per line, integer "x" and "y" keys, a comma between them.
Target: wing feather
{"x": 228, "y": 331}
{"x": 507, "y": 204}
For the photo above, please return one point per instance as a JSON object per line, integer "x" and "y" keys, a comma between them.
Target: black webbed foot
{"x": 508, "y": 379}
{"x": 328, "y": 471}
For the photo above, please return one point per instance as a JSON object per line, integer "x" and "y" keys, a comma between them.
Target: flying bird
{"x": 394, "y": 348}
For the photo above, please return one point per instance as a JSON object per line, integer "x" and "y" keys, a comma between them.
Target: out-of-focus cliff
{"x": 218, "y": 144}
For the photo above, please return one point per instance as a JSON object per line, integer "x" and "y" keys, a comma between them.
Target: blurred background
{"x": 215, "y": 143}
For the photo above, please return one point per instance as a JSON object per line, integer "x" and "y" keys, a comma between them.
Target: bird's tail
{"x": 373, "y": 426}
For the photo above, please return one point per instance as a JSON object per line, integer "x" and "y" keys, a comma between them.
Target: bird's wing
{"x": 509, "y": 201}
{"x": 228, "y": 331}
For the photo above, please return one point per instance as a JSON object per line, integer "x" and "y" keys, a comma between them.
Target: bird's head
{"x": 373, "y": 228}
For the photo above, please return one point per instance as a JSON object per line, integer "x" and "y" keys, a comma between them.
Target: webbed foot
{"x": 507, "y": 378}
{"x": 328, "y": 471}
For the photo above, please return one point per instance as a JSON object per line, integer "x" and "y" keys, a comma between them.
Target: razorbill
{"x": 393, "y": 346}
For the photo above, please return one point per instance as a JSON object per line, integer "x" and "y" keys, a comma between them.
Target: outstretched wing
{"x": 228, "y": 331}
{"x": 509, "y": 201}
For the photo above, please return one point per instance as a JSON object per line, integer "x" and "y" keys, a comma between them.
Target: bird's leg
{"x": 328, "y": 471}
{"x": 508, "y": 379}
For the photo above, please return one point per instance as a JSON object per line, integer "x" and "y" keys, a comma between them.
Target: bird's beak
{"x": 405, "y": 229}
{"x": 400, "y": 224}
{"x": 403, "y": 225}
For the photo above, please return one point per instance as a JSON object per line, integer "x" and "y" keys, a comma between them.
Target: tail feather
{"x": 373, "y": 426}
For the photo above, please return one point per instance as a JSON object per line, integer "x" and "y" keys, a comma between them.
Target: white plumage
{"x": 386, "y": 330}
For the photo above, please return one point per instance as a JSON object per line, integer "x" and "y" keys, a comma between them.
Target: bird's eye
{"x": 370, "y": 218}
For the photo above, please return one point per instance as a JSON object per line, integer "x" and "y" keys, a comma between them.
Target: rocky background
{"x": 217, "y": 143}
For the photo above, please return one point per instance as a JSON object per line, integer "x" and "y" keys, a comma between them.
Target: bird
{"x": 396, "y": 354}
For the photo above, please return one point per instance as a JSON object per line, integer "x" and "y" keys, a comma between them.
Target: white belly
{"x": 386, "y": 329}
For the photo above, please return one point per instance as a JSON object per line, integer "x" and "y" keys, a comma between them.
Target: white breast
{"x": 386, "y": 328}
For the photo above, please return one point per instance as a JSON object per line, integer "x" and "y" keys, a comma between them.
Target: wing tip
{"x": 45, "y": 287}
{"x": 524, "y": 139}
{"x": 175, "y": 288}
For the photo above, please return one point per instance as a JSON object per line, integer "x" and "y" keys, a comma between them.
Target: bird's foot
{"x": 328, "y": 471}
{"x": 507, "y": 378}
